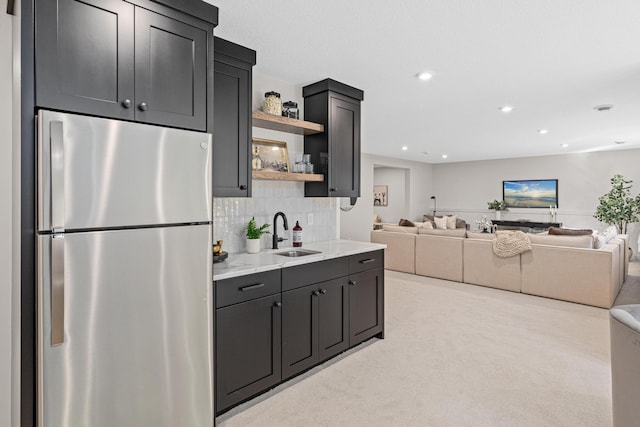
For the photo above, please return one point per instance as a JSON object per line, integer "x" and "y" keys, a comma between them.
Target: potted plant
{"x": 497, "y": 206}
{"x": 253, "y": 235}
{"x": 618, "y": 207}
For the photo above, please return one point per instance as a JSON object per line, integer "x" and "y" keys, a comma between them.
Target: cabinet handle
{"x": 315, "y": 293}
{"x": 252, "y": 287}
{"x": 333, "y": 189}
{"x": 277, "y": 304}
{"x": 367, "y": 261}
{"x": 323, "y": 291}
{"x": 126, "y": 103}
{"x": 243, "y": 187}
{"x": 352, "y": 282}
{"x": 143, "y": 106}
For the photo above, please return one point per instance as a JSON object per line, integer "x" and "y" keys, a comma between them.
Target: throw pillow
{"x": 406, "y": 223}
{"x": 599, "y": 241}
{"x": 441, "y": 223}
{"x": 610, "y": 232}
{"x": 461, "y": 223}
{"x": 427, "y": 225}
{"x": 451, "y": 221}
{"x": 569, "y": 232}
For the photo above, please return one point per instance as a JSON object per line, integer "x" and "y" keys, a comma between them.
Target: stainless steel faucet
{"x": 277, "y": 239}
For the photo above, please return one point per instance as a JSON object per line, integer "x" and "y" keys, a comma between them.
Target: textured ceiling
{"x": 552, "y": 60}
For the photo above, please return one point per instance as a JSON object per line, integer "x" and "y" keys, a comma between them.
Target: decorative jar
{"x": 272, "y": 103}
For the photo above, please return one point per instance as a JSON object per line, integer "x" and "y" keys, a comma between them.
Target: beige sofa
{"x": 559, "y": 267}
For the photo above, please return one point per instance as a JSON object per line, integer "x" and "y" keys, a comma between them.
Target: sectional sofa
{"x": 561, "y": 267}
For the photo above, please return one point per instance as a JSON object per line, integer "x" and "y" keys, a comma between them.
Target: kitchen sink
{"x": 297, "y": 252}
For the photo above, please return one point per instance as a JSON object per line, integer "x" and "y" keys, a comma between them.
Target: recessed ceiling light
{"x": 603, "y": 107}
{"x": 564, "y": 145}
{"x": 424, "y": 75}
{"x": 444, "y": 156}
{"x": 405, "y": 148}
{"x": 619, "y": 142}
{"x": 506, "y": 109}
{"x": 543, "y": 131}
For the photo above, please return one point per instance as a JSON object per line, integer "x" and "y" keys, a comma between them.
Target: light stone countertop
{"x": 241, "y": 264}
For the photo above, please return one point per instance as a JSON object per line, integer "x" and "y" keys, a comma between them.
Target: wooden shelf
{"x": 286, "y": 176}
{"x": 285, "y": 124}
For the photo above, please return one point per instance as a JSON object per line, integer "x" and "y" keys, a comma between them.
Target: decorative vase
{"x": 253, "y": 246}
{"x": 498, "y": 215}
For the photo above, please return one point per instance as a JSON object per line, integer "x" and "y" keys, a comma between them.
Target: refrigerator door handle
{"x": 57, "y": 176}
{"x": 57, "y": 290}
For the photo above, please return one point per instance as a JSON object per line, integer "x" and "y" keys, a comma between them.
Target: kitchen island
{"x": 278, "y": 316}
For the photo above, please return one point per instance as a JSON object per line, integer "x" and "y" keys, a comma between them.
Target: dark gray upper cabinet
{"x": 113, "y": 59}
{"x": 232, "y": 116}
{"x": 171, "y": 71}
{"x": 84, "y": 56}
{"x": 336, "y": 152}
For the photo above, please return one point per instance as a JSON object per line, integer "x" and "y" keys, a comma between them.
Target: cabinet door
{"x": 366, "y": 308}
{"x": 248, "y": 357}
{"x": 85, "y": 56}
{"x": 232, "y": 135}
{"x": 333, "y": 318}
{"x": 299, "y": 330}
{"x": 171, "y": 71}
{"x": 344, "y": 148}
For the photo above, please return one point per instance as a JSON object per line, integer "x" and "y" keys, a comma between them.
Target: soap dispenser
{"x": 297, "y": 235}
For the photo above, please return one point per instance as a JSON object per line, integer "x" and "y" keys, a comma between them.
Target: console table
{"x": 524, "y": 225}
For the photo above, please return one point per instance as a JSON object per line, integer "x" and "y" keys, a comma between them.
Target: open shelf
{"x": 285, "y": 124}
{"x": 286, "y": 176}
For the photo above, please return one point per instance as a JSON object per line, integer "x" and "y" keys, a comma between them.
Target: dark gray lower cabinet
{"x": 248, "y": 337}
{"x": 314, "y": 325}
{"x": 265, "y": 336}
{"x": 366, "y": 307}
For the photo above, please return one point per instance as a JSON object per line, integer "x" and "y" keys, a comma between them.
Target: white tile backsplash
{"x": 231, "y": 214}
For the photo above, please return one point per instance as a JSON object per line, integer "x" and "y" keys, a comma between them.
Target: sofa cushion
{"x": 451, "y": 222}
{"x": 568, "y": 241}
{"x": 400, "y": 228}
{"x": 406, "y": 223}
{"x": 481, "y": 236}
{"x": 557, "y": 231}
{"x": 457, "y": 232}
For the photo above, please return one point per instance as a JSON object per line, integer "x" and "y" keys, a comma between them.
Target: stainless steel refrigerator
{"x": 124, "y": 274}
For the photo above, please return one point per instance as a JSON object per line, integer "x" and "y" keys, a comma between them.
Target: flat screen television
{"x": 532, "y": 193}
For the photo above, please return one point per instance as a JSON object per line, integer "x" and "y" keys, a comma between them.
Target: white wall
{"x": 465, "y": 188}
{"x": 396, "y": 181}
{"x": 6, "y": 214}
{"x": 357, "y": 223}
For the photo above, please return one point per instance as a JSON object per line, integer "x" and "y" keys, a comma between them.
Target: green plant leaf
{"x": 618, "y": 207}
{"x": 254, "y": 232}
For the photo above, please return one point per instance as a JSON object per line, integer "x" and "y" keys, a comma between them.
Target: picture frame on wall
{"x": 531, "y": 193}
{"x": 380, "y": 195}
{"x": 274, "y": 154}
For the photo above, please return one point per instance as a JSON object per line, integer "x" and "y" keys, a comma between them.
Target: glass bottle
{"x": 256, "y": 160}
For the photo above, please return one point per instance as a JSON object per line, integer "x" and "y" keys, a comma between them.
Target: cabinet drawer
{"x": 315, "y": 272}
{"x": 245, "y": 288}
{"x": 366, "y": 261}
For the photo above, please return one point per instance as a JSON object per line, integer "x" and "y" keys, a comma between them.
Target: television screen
{"x": 534, "y": 193}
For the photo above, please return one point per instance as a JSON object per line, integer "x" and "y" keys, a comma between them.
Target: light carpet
{"x": 457, "y": 355}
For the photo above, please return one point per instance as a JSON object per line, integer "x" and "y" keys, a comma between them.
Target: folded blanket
{"x": 508, "y": 243}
